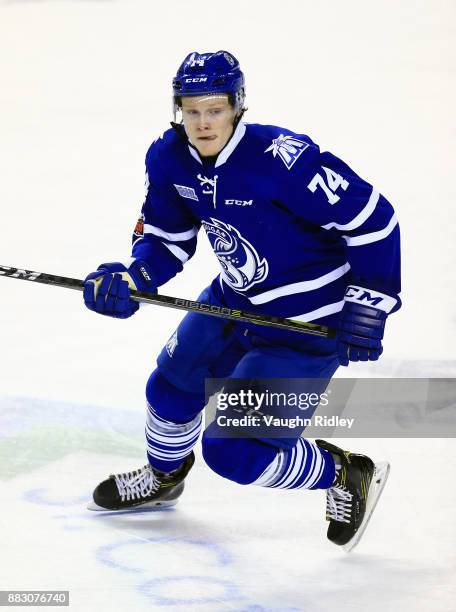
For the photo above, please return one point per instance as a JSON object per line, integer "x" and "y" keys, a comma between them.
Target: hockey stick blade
{"x": 179, "y": 303}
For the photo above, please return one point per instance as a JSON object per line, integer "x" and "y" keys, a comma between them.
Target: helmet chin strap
{"x": 238, "y": 118}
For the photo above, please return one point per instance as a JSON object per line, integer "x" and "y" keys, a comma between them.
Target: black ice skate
{"x": 353, "y": 496}
{"x": 145, "y": 487}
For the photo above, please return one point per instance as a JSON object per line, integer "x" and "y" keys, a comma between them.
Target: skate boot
{"x": 353, "y": 495}
{"x": 145, "y": 487}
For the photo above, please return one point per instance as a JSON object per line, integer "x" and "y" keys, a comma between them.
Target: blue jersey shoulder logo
{"x": 241, "y": 265}
{"x": 288, "y": 148}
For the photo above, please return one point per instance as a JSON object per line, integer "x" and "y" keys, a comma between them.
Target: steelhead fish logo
{"x": 242, "y": 267}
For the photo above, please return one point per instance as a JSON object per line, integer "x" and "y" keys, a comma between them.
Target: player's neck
{"x": 209, "y": 159}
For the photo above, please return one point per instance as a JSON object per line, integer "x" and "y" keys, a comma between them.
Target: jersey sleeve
{"x": 328, "y": 193}
{"x": 165, "y": 235}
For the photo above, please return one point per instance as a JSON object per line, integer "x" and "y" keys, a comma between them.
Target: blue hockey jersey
{"x": 295, "y": 230}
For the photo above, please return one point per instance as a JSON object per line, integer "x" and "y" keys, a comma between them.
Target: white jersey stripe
{"x": 177, "y": 252}
{"x": 324, "y": 311}
{"x": 374, "y": 236}
{"x": 360, "y": 218}
{"x": 177, "y": 237}
{"x": 300, "y": 287}
{"x": 232, "y": 144}
{"x": 194, "y": 154}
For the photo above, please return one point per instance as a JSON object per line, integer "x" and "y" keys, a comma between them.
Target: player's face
{"x": 208, "y": 121}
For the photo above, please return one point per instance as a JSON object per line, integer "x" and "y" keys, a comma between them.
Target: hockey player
{"x": 297, "y": 234}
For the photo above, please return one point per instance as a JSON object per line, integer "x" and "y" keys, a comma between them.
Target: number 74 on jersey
{"x": 332, "y": 183}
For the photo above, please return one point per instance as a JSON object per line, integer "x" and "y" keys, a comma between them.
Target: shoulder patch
{"x": 288, "y": 148}
{"x": 186, "y": 192}
{"x": 139, "y": 227}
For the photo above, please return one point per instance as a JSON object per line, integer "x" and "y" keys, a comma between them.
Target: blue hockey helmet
{"x": 210, "y": 73}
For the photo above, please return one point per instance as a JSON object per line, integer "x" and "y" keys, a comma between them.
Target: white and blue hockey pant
{"x": 209, "y": 347}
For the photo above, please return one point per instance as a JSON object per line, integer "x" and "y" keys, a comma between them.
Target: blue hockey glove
{"x": 360, "y": 333}
{"x": 107, "y": 291}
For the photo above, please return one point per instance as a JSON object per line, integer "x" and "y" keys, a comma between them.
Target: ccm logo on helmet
{"x": 196, "y": 80}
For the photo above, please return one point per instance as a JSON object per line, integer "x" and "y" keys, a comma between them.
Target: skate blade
{"x": 381, "y": 473}
{"x": 157, "y": 505}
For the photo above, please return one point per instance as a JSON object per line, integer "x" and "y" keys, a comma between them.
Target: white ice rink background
{"x": 84, "y": 89}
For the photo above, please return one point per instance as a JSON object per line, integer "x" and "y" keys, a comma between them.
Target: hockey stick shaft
{"x": 179, "y": 303}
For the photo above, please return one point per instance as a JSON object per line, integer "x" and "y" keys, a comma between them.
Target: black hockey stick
{"x": 180, "y": 303}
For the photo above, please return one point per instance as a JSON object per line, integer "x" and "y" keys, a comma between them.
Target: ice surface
{"x": 85, "y": 87}
{"x": 223, "y": 547}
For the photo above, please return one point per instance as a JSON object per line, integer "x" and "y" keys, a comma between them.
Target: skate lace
{"x": 137, "y": 484}
{"x": 338, "y": 504}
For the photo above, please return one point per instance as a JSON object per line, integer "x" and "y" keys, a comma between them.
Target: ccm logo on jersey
{"x": 368, "y": 297}
{"x": 239, "y": 202}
